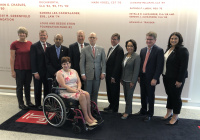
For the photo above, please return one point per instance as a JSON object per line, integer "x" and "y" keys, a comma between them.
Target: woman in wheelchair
{"x": 69, "y": 79}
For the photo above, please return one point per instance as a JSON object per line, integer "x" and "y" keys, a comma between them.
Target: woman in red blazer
{"x": 174, "y": 74}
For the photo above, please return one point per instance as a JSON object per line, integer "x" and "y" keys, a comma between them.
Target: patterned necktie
{"x": 44, "y": 47}
{"x": 93, "y": 50}
{"x": 81, "y": 46}
{"x": 145, "y": 61}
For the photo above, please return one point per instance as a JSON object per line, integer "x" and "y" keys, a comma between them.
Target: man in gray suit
{"x": 92, "y": 66}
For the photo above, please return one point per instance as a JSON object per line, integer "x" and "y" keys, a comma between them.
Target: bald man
{"x": 54, "y": 54}
{"x": 92, "y": 66}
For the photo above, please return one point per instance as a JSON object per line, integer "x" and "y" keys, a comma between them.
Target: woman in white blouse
{"x": 130, "y": 71}
{"x": 174, "y": 74}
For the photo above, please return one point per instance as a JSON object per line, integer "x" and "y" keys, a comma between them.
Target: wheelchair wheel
{"x": 76, "y": 129}
{"x": 54, "y": 110}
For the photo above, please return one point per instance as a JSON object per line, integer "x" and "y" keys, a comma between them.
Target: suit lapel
{"x": 40, "y": 47}
{"x": 61, "y": 52}
{"x": 90, "y": 51}
{"x": 54, "y": 52}
{"x": 152, "y": 53}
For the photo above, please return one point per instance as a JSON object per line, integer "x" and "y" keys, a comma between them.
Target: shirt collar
{"x": 57, "y": 47}
{"x": 113, "y": 47}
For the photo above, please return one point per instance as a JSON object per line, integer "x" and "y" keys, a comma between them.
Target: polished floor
{"x": 9, "y": 107}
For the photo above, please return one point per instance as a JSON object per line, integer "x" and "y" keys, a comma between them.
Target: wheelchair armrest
{"x": 58, "y": 88}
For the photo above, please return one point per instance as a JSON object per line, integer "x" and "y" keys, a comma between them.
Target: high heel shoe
{"x": 168, "y": 123}
{"x": 91, "y": 124}
{"x": 124, "y": 118}
{"x": 168, "y": 118}
{"x": 95, "y": 121}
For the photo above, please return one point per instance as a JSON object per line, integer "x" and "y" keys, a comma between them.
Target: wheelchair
{"x": 57, "y": 110}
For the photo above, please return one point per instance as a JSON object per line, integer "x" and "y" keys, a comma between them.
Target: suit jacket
{"x": 38, "y": 63}
{"x": 114, "y": 62}
{"x": 131, "y": 69}
{"x": 74, "y": 54}
{"x": 177, "y": 64}
{"x": 52, "y": 62}
{"x": 92, "y": 66}
{"x": 155, "y": 63}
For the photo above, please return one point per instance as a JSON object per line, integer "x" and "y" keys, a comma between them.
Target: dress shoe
{"x": 138, "y": 114}
{"x": 168, "y": 123}
{"x": 40, "y": 107}
{"x": 95, "y": 120}
{"x": 147, "y": 118}
{"x": 91, "y": 124}
{"x": 112, "y": 111}
{"x": 23, "y": 107}
{"x": 107, "y": 108}
{"x": 30, "y": 105}
{"x": 124, "y": 118}
{"x": 168, "y": 118}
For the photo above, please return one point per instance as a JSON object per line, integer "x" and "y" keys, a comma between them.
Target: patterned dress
{"x": 71, "y": 81}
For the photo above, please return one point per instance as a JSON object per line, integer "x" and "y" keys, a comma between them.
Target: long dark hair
{"x": 179, "y": 42}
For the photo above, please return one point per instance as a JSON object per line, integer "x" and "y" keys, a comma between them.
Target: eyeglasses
{"x": 149, "y": 39}
{"x": 114, "y": 39}
{"x": 92, "y": 37}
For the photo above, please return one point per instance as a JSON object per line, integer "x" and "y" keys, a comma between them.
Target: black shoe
{"x": 107, "y": 108}
{"x": 40, "y": 107}
{"x": 168, "y": 118}
{"x": 23, "y": 107}
{"x": 138, "y": 114}
{"x": 30, "y": 105}
{"x": 147, "y": 118}
{"x": 168, "y": 123}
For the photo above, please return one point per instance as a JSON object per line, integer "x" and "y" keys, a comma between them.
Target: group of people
{"x": 81, "y": 67}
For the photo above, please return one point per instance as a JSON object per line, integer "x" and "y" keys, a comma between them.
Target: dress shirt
{"x": 79, "y": 46}
{"x": 58, "y": 51}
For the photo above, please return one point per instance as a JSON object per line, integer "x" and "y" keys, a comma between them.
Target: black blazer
{"x": 37, "y": 54}
{"x": 74, "y": 54}
{"x": 177, "y": 64}
{"x": 114, "y": 63}
{"x": 155, "y": 63}
{"x": 52, "y": 62}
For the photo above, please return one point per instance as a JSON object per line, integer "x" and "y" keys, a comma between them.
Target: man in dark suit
{"x": 113, "y": 73}
{"x": 54, "y": 54}
{"x": 38, "y": 67}
{"x": 151, "y": 66}
{"x": 75, "y": 52}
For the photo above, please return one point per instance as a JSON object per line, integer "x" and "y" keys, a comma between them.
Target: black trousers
{"x": 23, "y": 80}
{"x": 174, "y": 101}
{"x": 113, "y": 93}
{"x": 147, "y": 96}
{"x": 38, "y": 89}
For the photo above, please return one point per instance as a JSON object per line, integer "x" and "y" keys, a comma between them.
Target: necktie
{"x": 93, "y": 50}
{"x": 81, "y": 46}
{"x": 111, "y": 49}
{"x": 44, "y": 47}
{"x": 145, "y": 61}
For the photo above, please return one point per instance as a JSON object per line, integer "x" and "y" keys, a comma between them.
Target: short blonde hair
{"x": 22, "y": 30}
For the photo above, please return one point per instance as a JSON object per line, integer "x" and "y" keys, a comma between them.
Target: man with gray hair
{"x": 93, "y": 66}
{"x": 75, "y": 52}
{"x": 151, "y": 67}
